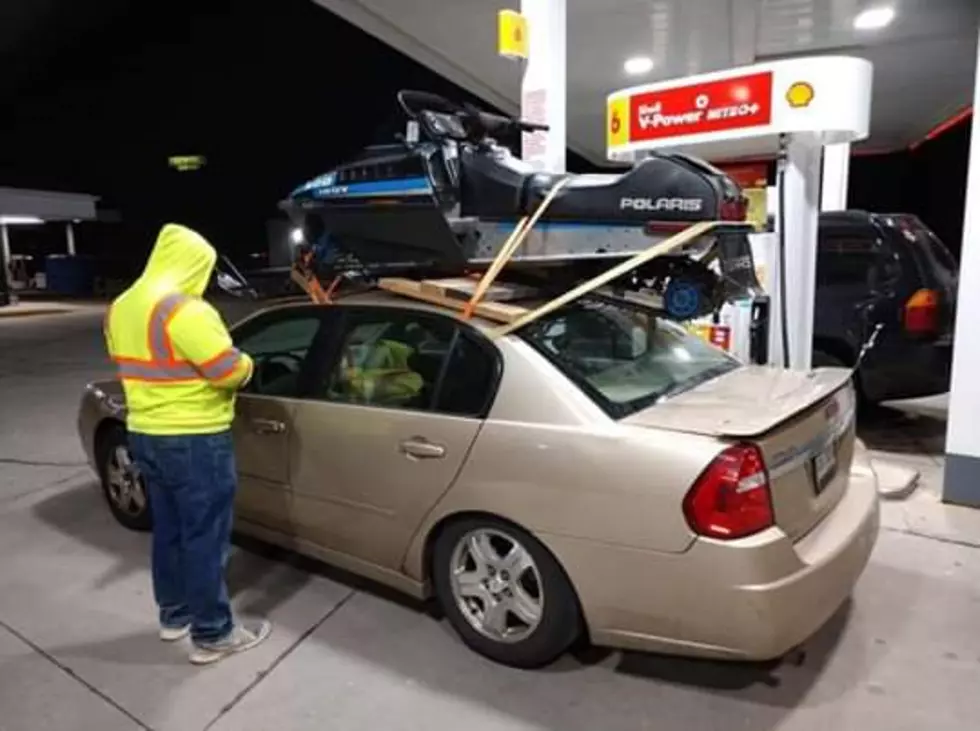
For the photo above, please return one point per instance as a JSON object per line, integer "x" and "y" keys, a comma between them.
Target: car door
{"x": 280, "y": 342}
{"x": 394, "y": 413}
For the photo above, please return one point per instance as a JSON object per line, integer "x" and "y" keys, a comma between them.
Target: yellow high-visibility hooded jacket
{"x": 178, "y": 367}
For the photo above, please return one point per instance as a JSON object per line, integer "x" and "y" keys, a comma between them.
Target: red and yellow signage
{"x": 735, "y": 103}
{"x": 718, "y": 335}
{"x": 512, "y": 41}
{"x": 618, "y": 121}
{"x": 742, "y": 113}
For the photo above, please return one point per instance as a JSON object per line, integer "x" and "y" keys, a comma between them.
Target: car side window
{"x": 469, "y": 381}
{"x": 388, "y": 358}
{"x": 279, "y": 344}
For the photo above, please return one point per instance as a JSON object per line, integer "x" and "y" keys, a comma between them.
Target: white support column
{"x": 543, "y": 89}
{"x": 5, "y": 243}
{"x": 836, "y": 172}
{"x": 961, "y": 483}
{"x": 70, "y": 238}
{"x": 801, "y": 195}
{"x": 7, "y": 296}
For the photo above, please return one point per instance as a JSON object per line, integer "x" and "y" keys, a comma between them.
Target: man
{"x": 180, "y": 373}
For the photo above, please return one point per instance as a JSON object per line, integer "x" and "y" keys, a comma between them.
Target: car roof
{"x": 851, "y": 216}
{"x": 380, "y": 298}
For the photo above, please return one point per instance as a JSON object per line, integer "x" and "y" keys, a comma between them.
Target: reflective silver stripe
{"x": 161, "y": 348}
{"x": 222, "y": 366}
{"x": 157, "y": 371}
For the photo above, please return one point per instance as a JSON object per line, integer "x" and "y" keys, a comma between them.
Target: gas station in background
{"x": 788, "y": 110}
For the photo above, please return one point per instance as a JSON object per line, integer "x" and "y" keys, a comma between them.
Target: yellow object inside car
{"x": 381, "y": 376}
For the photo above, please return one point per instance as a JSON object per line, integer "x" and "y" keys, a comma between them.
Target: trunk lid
{"x": 802, "y": 421}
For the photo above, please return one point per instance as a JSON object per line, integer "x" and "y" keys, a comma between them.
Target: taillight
{"x": 921, "y": 316}
{"x": 654, "y": 228}
{"x": 734, "y": 209}
{"x": 731, "y": 499}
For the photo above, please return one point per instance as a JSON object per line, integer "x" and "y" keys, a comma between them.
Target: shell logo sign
{"x": 737, "y": 103}
{"x": 742, "y": 112}
{"x": 800, "y": 94}
{"x": 618, "y": 122}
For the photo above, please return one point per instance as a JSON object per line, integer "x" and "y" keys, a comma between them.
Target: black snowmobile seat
{"x": 658, "y": 187}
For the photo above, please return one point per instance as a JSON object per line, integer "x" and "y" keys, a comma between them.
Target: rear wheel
{"x": 504, "y": 593}
{"x": 121, "y": 482}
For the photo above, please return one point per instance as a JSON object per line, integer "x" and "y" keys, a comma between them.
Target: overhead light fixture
{"x": 187, "y": 163}
{"x": 874, "y": 18}
{"x": 296, "y": 235}
{"x": 20, "y": 220}
{"x": 638, "y": 65}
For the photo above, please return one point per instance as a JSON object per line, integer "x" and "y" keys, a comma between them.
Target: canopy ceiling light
{"x": 874, "y": 18}
{"x": 638, "y": 65}
{"x": 20, "y": 220}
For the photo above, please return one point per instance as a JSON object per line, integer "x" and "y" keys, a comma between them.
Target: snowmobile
{"x": 447, "y": 198}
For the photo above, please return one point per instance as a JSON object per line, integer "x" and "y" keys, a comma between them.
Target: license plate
{"x": 825, "y": 466}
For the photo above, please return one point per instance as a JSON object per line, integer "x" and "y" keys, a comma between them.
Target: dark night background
{"x": 271, "y": 93}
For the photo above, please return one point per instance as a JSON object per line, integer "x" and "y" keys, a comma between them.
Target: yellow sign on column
{"x": 512, "y": 40}
{"x": 618, "y": 121}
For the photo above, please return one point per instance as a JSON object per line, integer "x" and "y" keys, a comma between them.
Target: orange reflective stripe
{"x": 163, "y": 366}
{"x": 222, "y": 365}
{"x": 136, "y": 370}
{"x": 161, "y": 347}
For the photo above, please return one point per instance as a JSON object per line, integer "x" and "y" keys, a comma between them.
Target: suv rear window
{"x": 623, "y": 356}
{"x": 927, "y": 244}
{"x": 845, "y": 257}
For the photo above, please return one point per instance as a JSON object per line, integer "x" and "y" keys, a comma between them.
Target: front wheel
{"x": 121, "y": 482}
{"x": 504, "y": 593}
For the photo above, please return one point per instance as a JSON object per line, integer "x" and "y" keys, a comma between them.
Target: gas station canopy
{"x": 19, "y": 206}
{"x": 923, "y": 61}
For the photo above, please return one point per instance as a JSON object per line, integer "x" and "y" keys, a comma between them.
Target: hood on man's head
{"x": 181, "y": 260}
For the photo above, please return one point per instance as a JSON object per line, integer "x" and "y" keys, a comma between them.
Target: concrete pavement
{"x": 78, "y": 648}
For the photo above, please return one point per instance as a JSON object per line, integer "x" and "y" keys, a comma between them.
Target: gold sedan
{"x": 601, "y": 472}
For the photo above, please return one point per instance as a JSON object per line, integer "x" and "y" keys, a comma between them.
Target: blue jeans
{"x": 190, "y": 481}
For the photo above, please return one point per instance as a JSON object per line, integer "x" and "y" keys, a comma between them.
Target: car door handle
{"x": 419, "y": 448}
{"x": 268, "y": 426}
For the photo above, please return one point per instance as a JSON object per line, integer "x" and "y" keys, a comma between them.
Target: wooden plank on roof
{"x": 430, "y": 292}
{"x": 464, "y": 287}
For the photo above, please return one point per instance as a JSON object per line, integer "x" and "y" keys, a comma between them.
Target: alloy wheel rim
{"x": 497, "y": 585}
{"x": 125, "y": 486}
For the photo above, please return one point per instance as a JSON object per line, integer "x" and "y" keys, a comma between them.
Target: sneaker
{"x": 173, "y": 634}
{"x": 240, "y": 639}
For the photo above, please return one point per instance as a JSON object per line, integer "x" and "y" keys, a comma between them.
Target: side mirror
{"x": 230, "y": 281}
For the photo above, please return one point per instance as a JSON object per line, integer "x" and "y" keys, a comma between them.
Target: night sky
{"x": 272, "y": 93}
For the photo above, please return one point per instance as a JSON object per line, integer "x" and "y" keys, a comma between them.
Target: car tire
{"x": 536, "y": 616}
{"x": 121, "y": 484}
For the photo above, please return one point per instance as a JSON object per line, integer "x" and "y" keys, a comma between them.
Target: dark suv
{"x": 889, "y": 269}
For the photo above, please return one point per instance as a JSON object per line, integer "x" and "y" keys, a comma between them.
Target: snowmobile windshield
{"x": 623, "y": 356}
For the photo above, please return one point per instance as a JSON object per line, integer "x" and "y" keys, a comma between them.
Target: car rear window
{"x": 927, "y": 244}
{"x": 624, "y": 356}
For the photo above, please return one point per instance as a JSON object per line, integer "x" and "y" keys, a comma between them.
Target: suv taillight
{"x": 731, "y": 499}
{"x": 921, "y": 316}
